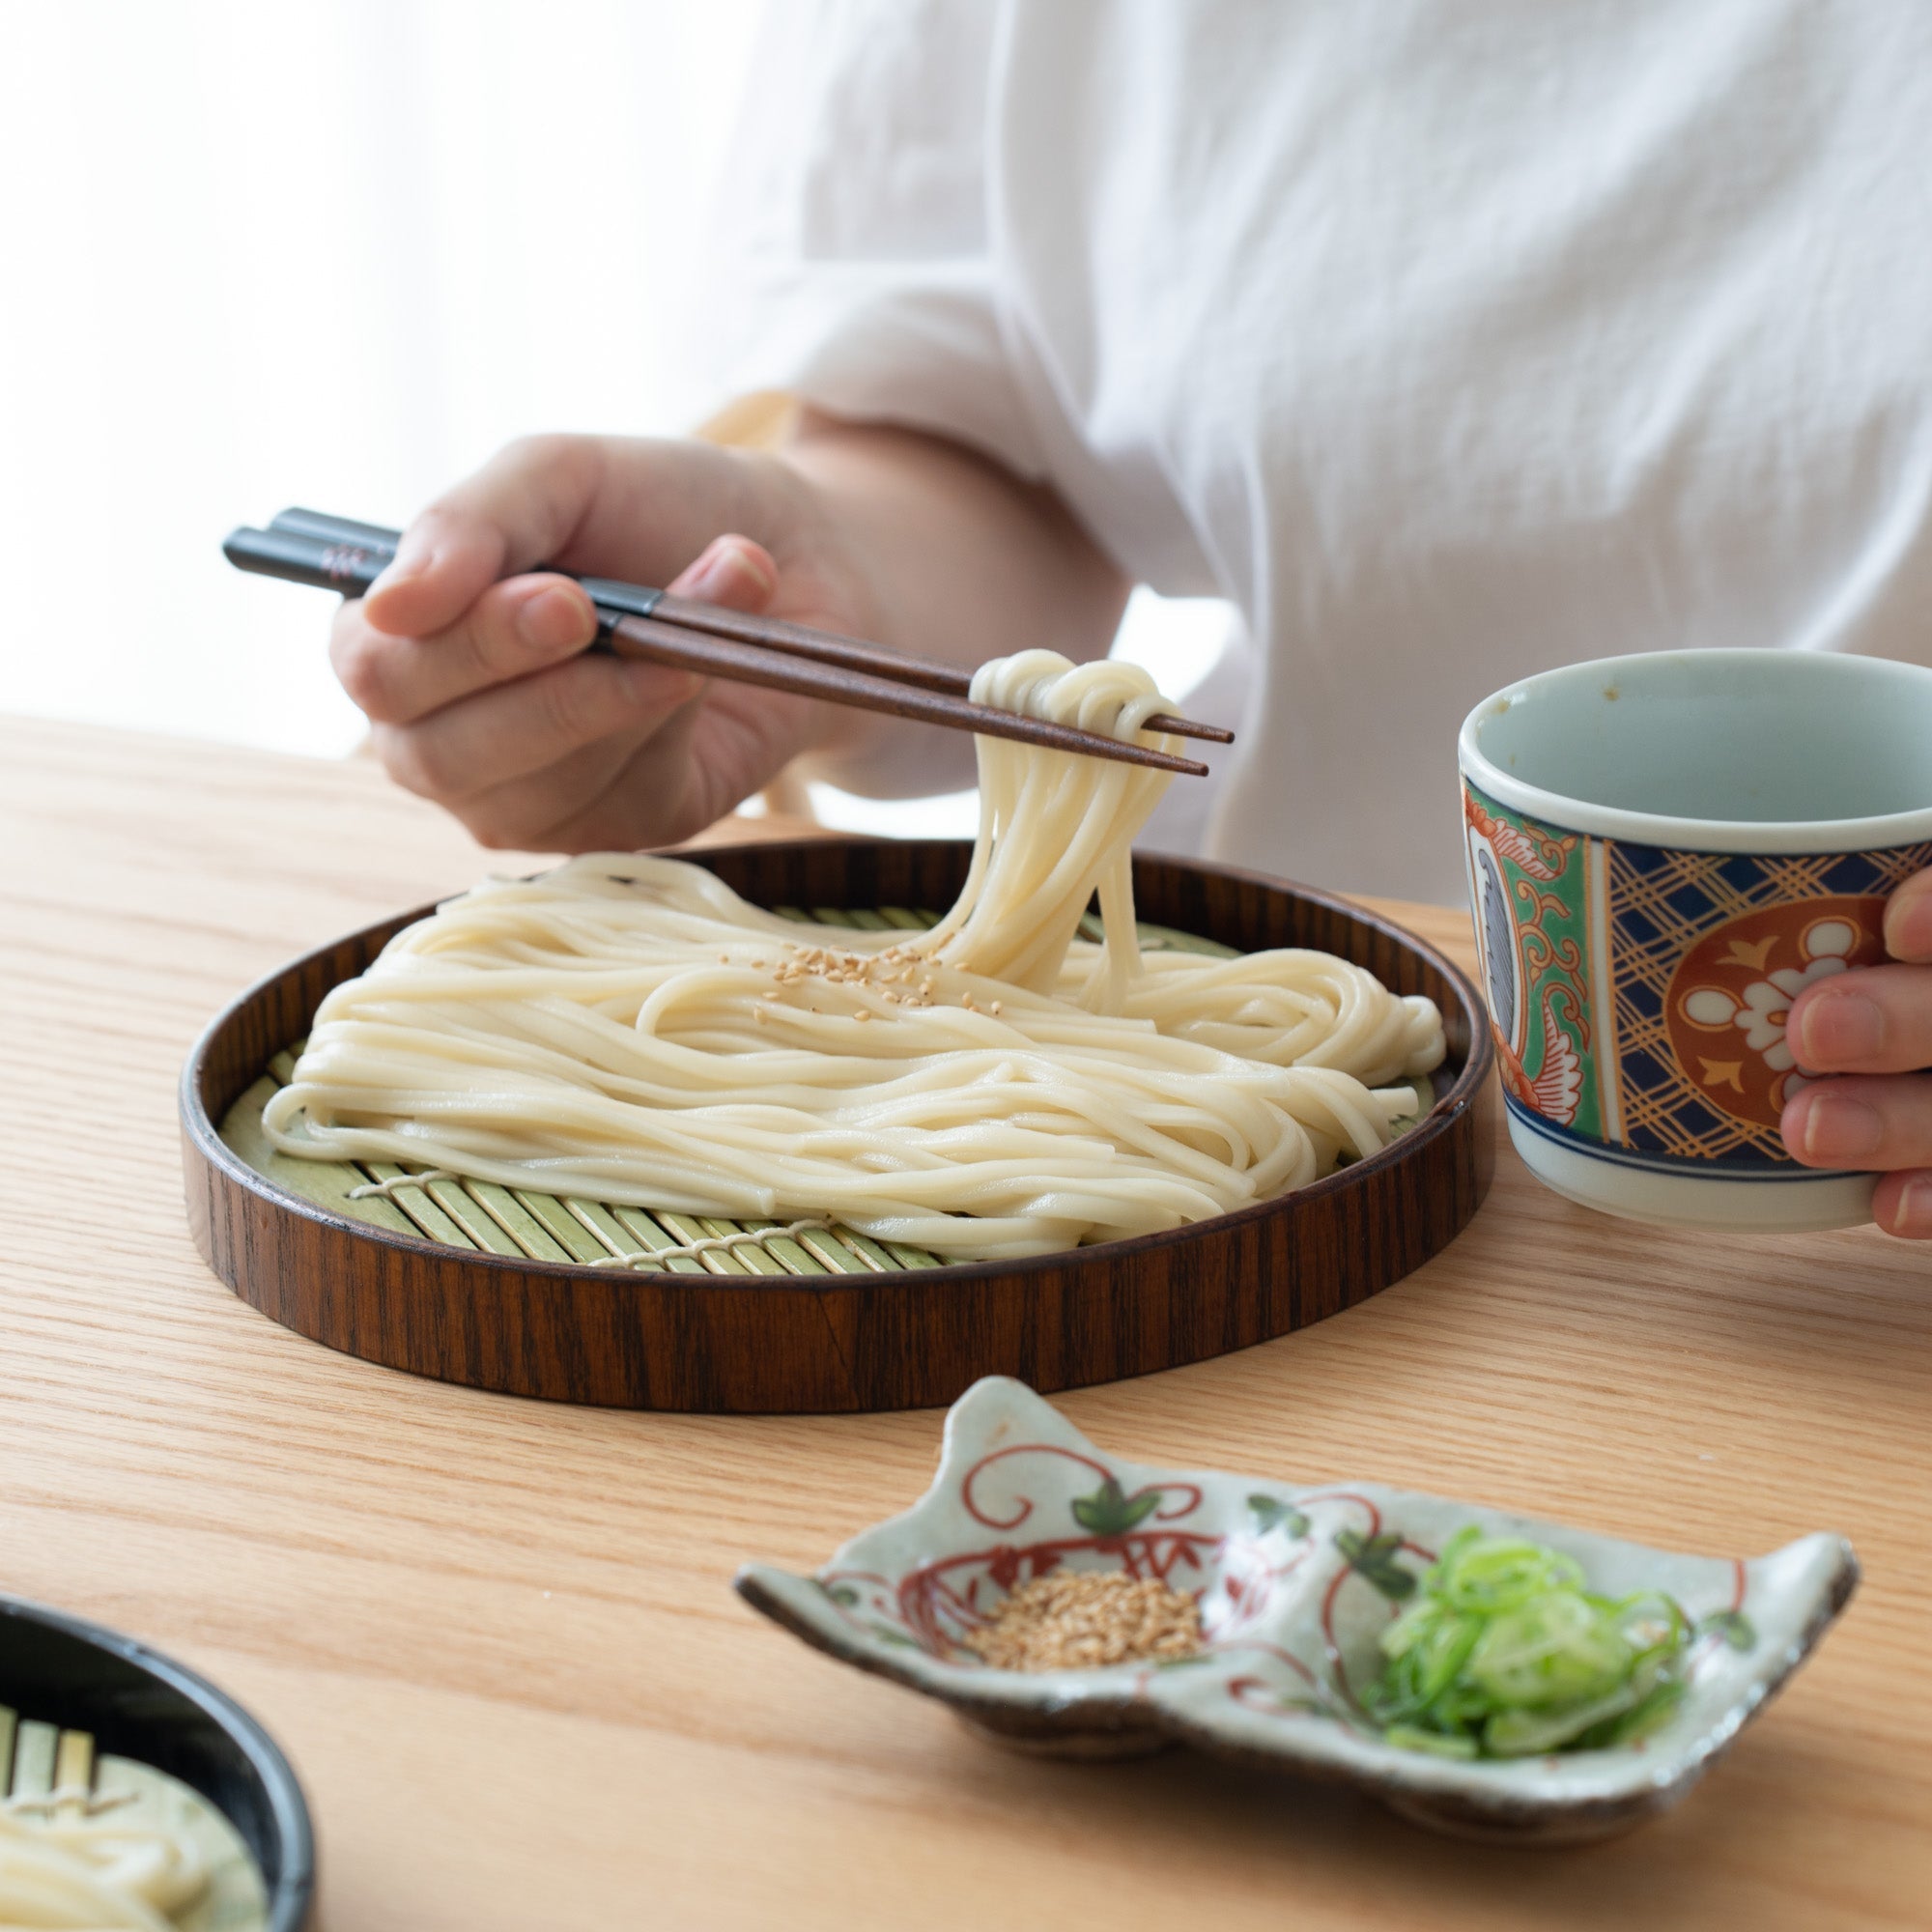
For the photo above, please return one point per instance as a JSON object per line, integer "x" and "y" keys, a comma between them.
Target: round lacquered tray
{"x": 891, "y": 1336}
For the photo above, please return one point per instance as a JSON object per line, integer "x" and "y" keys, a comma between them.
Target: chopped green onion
{"x": 1502, "y": 1652}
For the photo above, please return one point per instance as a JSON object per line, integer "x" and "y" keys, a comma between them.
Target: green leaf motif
{"x": 1271, "y": 1512}
{"x": 1373, "y": 1558}
{"x": 841, "y": 1594}
{"x": 1733, "y": 1626}
{"x": 1111, "y": 1512}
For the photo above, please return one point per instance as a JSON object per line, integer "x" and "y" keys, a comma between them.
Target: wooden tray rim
{"x": 1441, "y": 1117}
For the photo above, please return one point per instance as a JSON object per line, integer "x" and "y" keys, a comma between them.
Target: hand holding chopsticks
{"x": 305, "y": 546}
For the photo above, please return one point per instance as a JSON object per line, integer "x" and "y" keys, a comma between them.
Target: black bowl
{"x": 142, "y": 1705}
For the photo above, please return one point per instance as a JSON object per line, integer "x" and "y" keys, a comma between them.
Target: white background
{"x": 333, "y": 254}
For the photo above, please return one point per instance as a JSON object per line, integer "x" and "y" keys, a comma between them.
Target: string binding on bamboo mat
{"x": 744, "y": 1238}
{"x": 384, "y": 1189}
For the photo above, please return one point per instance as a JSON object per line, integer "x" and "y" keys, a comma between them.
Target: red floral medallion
{"x": 1728, "y": 1001}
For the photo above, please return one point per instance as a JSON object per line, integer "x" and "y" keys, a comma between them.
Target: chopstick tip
{"x": 1188, "y": 727}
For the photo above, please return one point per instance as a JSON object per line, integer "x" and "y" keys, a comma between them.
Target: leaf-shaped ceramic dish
{"x": 1293, "y": 1585}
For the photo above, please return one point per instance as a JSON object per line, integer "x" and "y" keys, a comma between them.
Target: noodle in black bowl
{"x": 888, "y": 1338}
{"x": 140, "y": 1705}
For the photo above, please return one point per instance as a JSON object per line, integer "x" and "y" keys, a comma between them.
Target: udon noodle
{"x": 628, "y": 1029}
{"x": 95, "y": 1874}
{"x": 140, "y": 1852}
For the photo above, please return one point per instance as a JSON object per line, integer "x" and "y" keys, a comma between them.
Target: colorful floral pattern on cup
{"x": 1639, "y": 993}
{"x": 1294, "y": 1586}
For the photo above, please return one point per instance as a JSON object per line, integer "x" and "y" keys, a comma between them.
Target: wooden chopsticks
{"x": 307, "y": 547}
{"x": 774, "y": 633}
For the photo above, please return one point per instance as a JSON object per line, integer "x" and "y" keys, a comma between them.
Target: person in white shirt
{"x": 1445, "y": 339}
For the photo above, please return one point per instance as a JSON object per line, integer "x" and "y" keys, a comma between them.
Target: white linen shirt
{"x": 1448, "y": 339}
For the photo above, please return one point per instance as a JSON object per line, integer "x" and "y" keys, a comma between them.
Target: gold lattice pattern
{"x": 1661, "y": 903}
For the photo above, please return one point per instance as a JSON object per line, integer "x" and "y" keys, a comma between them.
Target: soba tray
{"x": 503, "y": 1289}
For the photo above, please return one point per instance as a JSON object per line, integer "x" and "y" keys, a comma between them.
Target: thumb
{"x": 731, "y": 571}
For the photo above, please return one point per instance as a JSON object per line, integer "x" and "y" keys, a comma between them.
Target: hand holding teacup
{"x": 1874, "y": 1030}
{"x": 1702, "y": 887}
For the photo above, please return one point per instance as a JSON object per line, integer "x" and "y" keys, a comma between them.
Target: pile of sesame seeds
{"x": 1085, "y": 1620}
{"x": 901, "y": 975}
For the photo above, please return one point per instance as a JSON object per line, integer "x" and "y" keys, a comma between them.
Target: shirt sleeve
{"x": 853, "y": 265}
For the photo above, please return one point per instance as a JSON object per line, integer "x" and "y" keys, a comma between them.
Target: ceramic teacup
{"x": 1663, "y": 852}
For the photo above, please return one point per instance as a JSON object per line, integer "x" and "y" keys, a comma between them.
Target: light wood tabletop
{"x": 497, "y": 1637}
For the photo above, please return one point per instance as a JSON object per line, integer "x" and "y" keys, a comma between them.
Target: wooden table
{"x": 497, "y": 1637}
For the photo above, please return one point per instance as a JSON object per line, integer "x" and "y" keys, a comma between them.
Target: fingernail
{"x": 552, "y": 621}
{"x": 724, "y": 565}
{"x": 1839, "y": 1027}
{"x": 1838, "y": 1129}
{"x": 1915, "y": 1208}
{"x": 1908, "y": 927}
